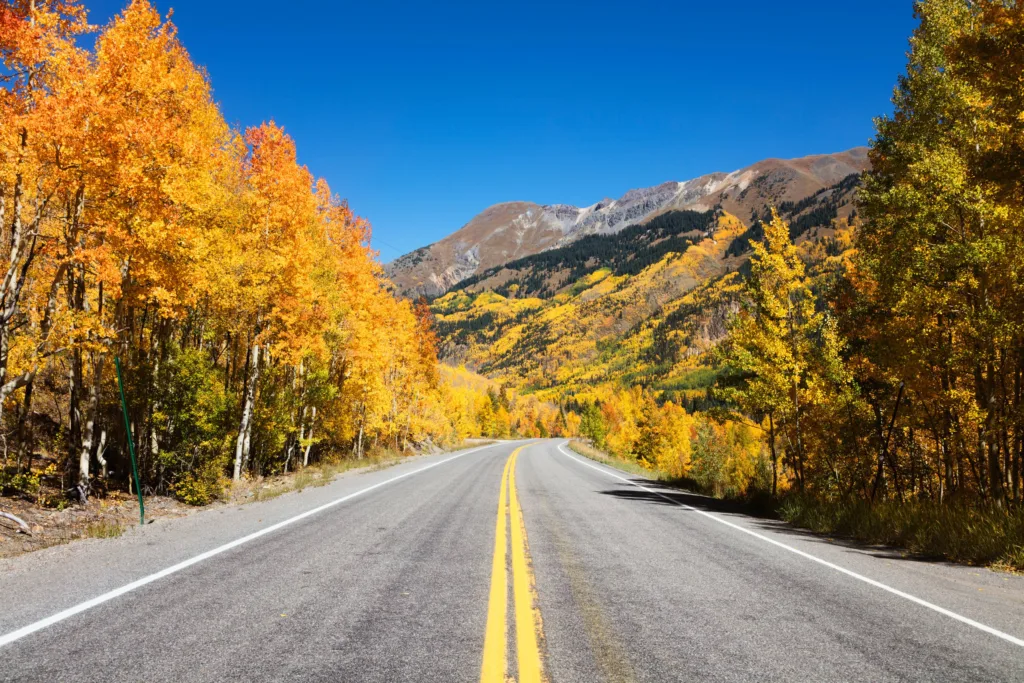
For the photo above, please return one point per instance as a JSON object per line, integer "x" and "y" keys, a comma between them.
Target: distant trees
{"x": 724, "y": 457}
{"x": 481, "y": 408}
{"x": 664, "y": 438}
{"x": 816, "y": 211}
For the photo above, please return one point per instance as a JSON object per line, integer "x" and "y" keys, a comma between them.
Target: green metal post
{"x": 131, "y": 441}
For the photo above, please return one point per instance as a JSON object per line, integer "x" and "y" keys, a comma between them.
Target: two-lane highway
{"x": 518, "y": 558}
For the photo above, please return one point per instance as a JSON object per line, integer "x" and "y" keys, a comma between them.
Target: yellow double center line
{"x": 527, "y": 616}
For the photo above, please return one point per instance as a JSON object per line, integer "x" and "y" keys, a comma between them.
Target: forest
{"x": 885, "y": 381}
{"x": 236, "y": 294}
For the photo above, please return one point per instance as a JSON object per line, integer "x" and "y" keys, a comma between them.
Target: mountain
{"x": 513, "y": 230}
{"x": 640, "y": 307}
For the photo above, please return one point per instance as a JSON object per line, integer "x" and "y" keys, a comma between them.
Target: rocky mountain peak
{"x": 511, "y": 230}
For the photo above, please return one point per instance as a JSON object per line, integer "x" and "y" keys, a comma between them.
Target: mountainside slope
{"x": 514, "y": 230}
{"x": 640, "y": 307}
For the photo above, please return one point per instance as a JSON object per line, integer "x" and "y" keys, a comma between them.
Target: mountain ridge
{"x": 511, "y": 230}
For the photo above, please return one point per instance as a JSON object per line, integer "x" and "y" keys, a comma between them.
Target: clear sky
{"x": 423, "y": 114}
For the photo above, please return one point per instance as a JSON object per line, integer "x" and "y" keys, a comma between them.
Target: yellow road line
{"x": 495, "y": 646}
{"x": 528, "y": 622}
{"x": 527, "y": 616}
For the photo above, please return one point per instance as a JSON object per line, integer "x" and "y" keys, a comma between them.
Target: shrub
{"x": 203, "y": 486}
{"x": 103, "y": 529}
{"x": 24, "y": 483}
{"x": 664, "y": 440}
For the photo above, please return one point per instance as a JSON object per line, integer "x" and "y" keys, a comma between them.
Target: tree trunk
{"x": 245, "y": 427}
{"x": 101, "y": 450}
{"x": 309, "y": 443}
{"x": 74, "y": 242}
{"x": 302, "y": 431}
{"x": 1018, "y": 428}
{"x": 92, "y": 411}
{"x": 24, "y": 429}
{"x": 76, "y": 437}
{"x": 799, "y": 436}
{"x": 359, "y": 441}
{"x": 988, "y": 441}
{"x": 75, "y": 434}
{"x": 775, "y": 458}
{"x": 154, "y": 410}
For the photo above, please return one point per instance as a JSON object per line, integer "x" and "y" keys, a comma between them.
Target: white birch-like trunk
{"x": 245, "y": 428}
{"x": 309, "y": 443}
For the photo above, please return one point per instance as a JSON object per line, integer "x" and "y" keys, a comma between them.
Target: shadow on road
{"x": 664, "y": 494}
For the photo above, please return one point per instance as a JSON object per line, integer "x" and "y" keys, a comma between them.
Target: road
{"x": 474, "y": 565}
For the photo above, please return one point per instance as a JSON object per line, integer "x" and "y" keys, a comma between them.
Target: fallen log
{"x": 19, "y": 521}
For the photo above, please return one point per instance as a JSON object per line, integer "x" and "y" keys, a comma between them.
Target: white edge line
{"x": 860, "y": 577}
{"x": 8, "y": 638}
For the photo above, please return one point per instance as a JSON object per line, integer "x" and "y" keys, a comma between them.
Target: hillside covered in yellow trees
{"x": 628, "y": 344}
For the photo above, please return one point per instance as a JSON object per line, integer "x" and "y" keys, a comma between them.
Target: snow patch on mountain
{"x": 511, "y": 230}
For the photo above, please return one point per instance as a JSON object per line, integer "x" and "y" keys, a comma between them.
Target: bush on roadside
{"x": 203, "y": 486}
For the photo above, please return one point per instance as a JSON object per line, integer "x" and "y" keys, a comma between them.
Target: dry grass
{"x": 975, "y": 534}
{"x": 630, "y": 466}
{"x": 106, "y": 517}
{"x": 322, "y": 474}
{"x": 103, "y": 529}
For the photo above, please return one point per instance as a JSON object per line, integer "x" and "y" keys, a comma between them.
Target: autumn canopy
{"x": 241, "y": 295}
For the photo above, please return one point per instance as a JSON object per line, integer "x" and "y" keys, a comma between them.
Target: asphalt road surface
{"x": 472, "y": 566}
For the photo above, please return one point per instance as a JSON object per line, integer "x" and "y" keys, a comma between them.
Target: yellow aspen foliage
{"x": 242, "y": 296}
{"x": 664, "y": 438}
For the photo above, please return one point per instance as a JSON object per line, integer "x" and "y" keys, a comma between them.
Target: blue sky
{"x": 423, "y": 114}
